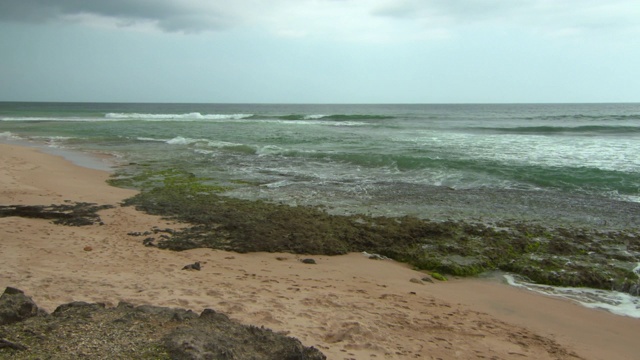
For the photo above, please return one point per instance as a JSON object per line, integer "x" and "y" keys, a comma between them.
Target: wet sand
{"x": 350, "y": 307}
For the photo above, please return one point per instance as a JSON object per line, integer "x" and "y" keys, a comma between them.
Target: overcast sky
{"x": 320, "y": 51}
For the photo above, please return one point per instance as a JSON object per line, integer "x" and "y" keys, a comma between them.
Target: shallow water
{"x": 574, "y": 163}
{"x": 613, "y": 301}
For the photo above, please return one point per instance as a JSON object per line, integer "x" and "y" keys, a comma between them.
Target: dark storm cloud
{"x": 168, "y": 15}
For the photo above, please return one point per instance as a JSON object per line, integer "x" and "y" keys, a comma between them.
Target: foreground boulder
{"x": 214, "y": 336}
{"x": 94, "y": 331}
{"x": 15, "y": 306}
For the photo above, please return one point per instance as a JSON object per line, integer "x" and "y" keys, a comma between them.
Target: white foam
{"x": 308, "y": 122}
{"x": 616, "y": 302}
{"x": 8, "y": 135}
{"x": 179, "y": 140}
{"x": 278, "y": 184}
{"x": 314, "y": 116}
{"x": 188, "y": 117}
{"x": 204, "y": 152}
{"x": 151, "y": 139}
{"x": 222, "y": 144}
{"x": 52, "y": 141}
{"x": 271, "y": 150}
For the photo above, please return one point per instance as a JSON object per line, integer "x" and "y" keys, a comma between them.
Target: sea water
{"x": 613, "y": 301}
{"x": 558, "y": 164}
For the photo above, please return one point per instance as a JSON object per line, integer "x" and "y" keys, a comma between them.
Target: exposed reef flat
{"x": 572, "y": 255}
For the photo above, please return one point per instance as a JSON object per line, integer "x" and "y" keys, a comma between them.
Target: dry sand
{"x": 348, "y": 306}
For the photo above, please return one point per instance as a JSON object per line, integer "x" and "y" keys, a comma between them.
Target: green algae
{"x": 438, "y": 276}
{"x": 554, "y": 256}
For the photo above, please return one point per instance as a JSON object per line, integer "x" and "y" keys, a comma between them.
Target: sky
{"x": 320, "y": 51}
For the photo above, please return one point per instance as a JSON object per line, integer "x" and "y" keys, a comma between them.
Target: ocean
{"x": 433, "y": 161}
{"x": 561, "y": 164}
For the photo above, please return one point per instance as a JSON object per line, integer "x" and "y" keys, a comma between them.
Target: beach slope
{"x": 349, "y": 307}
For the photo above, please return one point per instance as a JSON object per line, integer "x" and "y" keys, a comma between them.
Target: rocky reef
{"x": 552, "y": 254}
{"x": 93, "y": 331}
{"x": 548, "y": 254}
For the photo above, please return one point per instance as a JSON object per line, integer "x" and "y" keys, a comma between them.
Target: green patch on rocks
{"x": 438, "y": 276}
{"x": 556, "y": 256}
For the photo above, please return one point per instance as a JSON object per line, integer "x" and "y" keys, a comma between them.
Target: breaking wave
{"x": 189, "y": 116}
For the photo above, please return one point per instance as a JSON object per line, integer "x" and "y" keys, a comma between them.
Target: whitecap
{"x": 179, "y": 140}
{"x": 271, "y": 150}
{"x": 193, "y": 116}
{"x": 8, "y": 135}
{"x": 222, "y": 144}
{"x": 141, "y": 138}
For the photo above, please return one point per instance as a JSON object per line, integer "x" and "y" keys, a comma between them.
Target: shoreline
{"x": 347, "y": 306}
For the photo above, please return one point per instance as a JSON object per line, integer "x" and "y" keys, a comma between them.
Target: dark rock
{"x": 166, "y": 230}
{"x": 15, "y": 306}
{"x": 78, "y": 308}
{"x": 11, "y": 345}
{"x": 427, "y": 279}
{"x": 174, "y": 314}
{"x": 194, "y": 266}
{"x": 76, "y": 214}
{"x": 308, "y": 261}
{"x": 149, "y": 242}
{"x": 93, "y": 331}
{"x": 214, "y": 336}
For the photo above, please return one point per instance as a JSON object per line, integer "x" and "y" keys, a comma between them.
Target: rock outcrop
{"x": 15, "y": 306}
{"x": 94, "y": 331}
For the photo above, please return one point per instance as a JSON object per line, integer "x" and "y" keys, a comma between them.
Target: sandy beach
{"x": 349, "y": 307}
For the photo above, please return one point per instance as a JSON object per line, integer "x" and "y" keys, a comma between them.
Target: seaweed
{"x": 555, "y": 256}
{"x": 71, "y": 214}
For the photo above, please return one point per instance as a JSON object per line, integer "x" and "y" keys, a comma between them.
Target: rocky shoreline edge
{"x": 559, "y": 255}
{"x": 607, "y": 259}
{"x": 92, "y": 330}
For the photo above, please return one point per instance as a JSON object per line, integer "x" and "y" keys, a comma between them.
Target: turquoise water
{"x": 478, "y": 161}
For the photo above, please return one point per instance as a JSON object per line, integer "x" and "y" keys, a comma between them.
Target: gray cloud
{"x": 320, "y": 16}
{"x": 168, "y": 15}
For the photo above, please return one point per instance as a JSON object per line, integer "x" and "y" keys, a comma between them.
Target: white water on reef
{"x": 613, "y": 301}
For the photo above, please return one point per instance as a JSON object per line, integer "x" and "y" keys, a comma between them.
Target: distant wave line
{"x": 187, "y": 116}
{"x": 616, "y": 117}
{"x": 565, "y": 129}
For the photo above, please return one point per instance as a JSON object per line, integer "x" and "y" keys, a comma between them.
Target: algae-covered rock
{"x": 81, "y": 330}
{"x": 15, "y": 306}
{"x": 554, "y": 255}
{"x": 213, "y": 336}
{"x": 71, "y": 214}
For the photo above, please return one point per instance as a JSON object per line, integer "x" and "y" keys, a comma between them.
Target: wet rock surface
{"x": 82, "y": 330}
{"x": 555, "y": 254}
